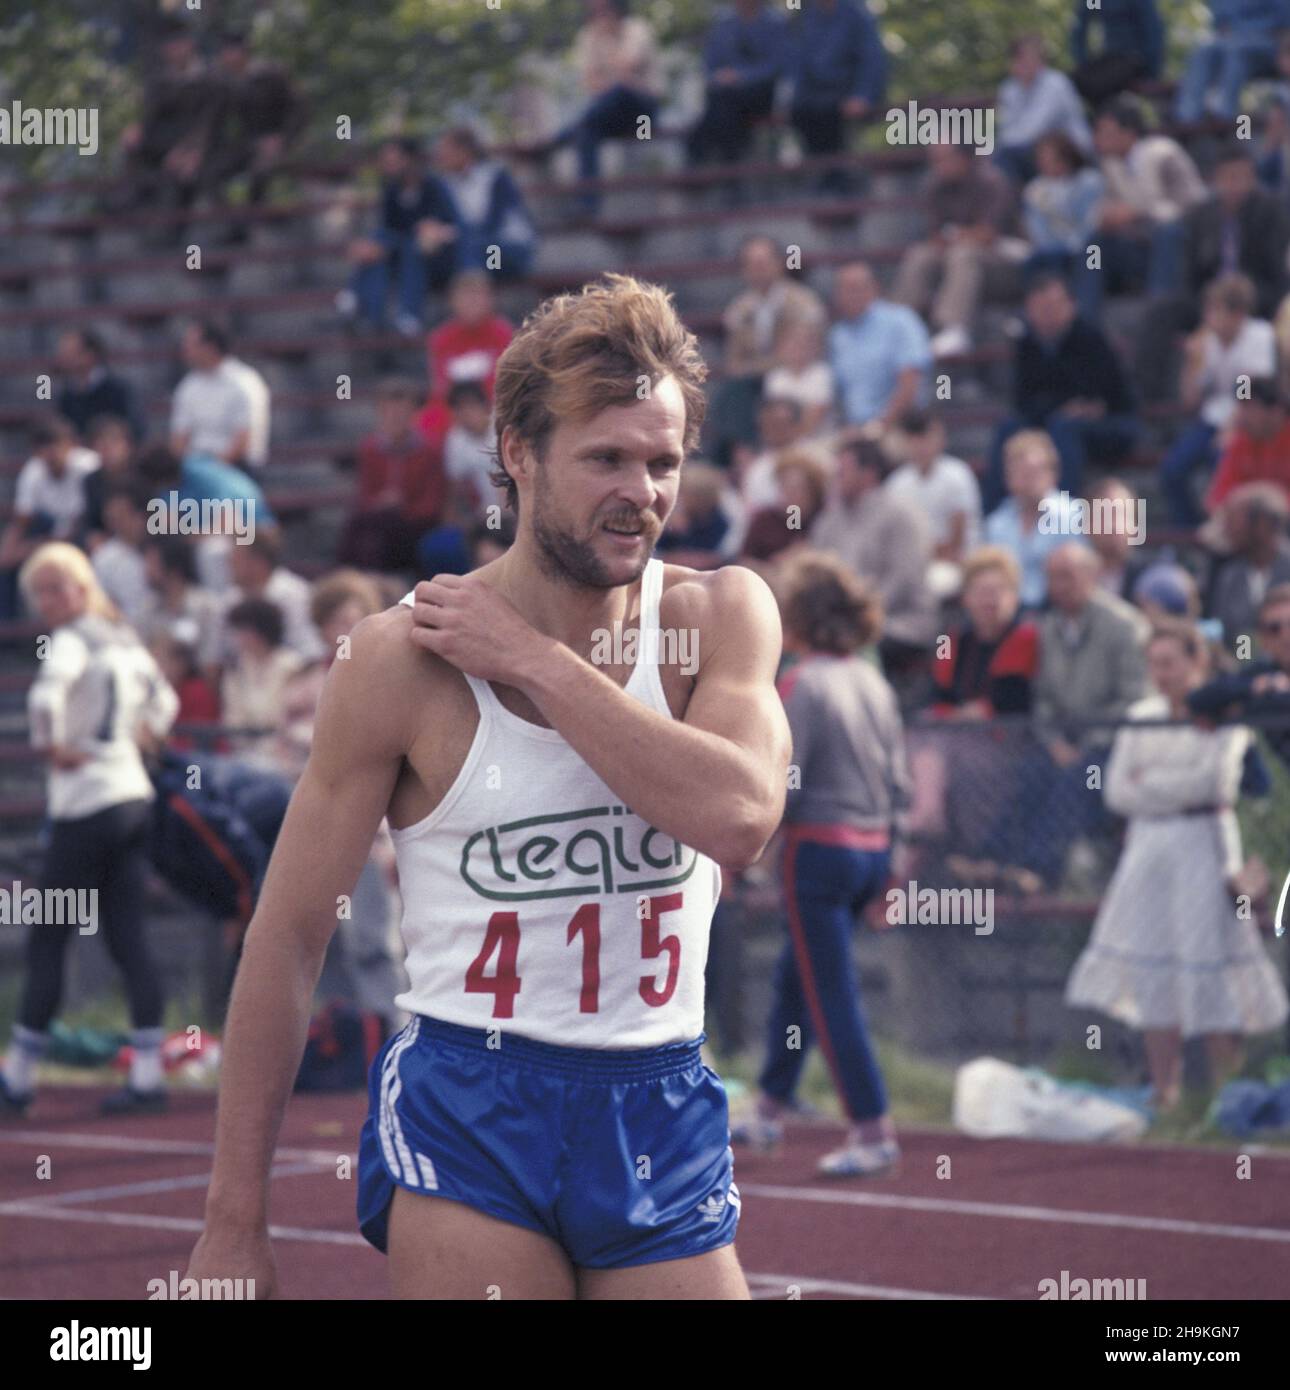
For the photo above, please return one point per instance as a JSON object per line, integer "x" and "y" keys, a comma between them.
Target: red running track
{"x": 122, "y": 1204}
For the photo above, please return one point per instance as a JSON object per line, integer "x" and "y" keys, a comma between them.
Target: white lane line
{"x": 776, "y": 1286}
{"x": 122, "y": 1143}
{"x": 141, "y": 1189}
{"x": 166, "y": 1223}
{"x": 1006, "y": 1211}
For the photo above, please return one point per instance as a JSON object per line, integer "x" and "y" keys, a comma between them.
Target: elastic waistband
{"x": 586, "y": 1063}
{"x": 840, "y": 836}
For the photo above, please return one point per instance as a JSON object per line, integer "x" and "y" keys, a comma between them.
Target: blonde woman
{"x": 98, "y": 696}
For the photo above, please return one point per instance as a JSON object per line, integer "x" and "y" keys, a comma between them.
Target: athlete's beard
{"x": 572, "y": 561}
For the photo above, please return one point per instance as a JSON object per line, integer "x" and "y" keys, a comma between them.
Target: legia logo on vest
{"x": 573, "y": 854}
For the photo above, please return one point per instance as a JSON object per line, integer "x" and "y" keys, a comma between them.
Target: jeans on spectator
{"x": 1228, "y": 62}
{"x": 725, "y": 128}
{"x": 1085, "y": 284}
{"x": 403, "y": 261}
{"x": 613, "y": 113}
{"x": 819, "y": 122}
{"x": 1152, "y": 262}
{"x": 1195, "y": 448}
{"x": 514, "y": 258}
{"x": 816, "y": 991}
{"x": 1104, "y": 441}
{"x": 1017, "y": 161}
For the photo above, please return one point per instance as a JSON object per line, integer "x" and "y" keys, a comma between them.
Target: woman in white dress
{"x": 1169, "y": 955}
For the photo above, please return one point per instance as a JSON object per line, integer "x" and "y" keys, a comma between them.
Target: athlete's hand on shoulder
{"x": 467, "y": 622}
{"x": 242, "y": 1253}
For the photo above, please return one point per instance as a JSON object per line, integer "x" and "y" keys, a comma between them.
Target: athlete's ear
{"x": 517, "y": 456}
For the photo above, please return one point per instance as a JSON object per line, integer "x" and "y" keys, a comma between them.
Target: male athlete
{"x": 544, "y": 1126}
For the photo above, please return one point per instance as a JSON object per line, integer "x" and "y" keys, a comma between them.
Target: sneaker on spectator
{"x": 951, "y": 342}
{"x": 756, "y": 1132}
{"x": 860, "y": 1160}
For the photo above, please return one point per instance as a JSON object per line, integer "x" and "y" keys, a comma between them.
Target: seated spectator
{"x": 257, "y": 573}
{"x": 1069, "y": 381}
{"x": 988, "y": 666}
{"x": 1231, "y": 347}
{"x": 618, "y": 66}
{"x": 253, "y": 689}
{"x": 1260, "y": 689}
{"x": 410, "y": 247}
{"x": 1030, "y": 465}
{"x": 801, "y": 480}
{"x": 779, "y": 430}
{"x": 402, "y": 490}
{"x": 111, "y": 440}
{"x": 470, "y": 451}
{"x": 1091, "y": 669}
{"x": 1117, "y": 549}
{"x": 801, "y": 373}
{"x": 706, "y": 525}
{"x": 1164, "y": 592}
{"x": 1060, "y": 209}
{"x": 743, "y": 56}
{"x": 180, "y": 609}
{"x": 886, "y": 540}
{"x": 1253, "y": 525}
{"x": 493, "y": 223}
{"x": 943, "y": 488}
{"x": 770, "y": 302}
{"x": 48, "y": 503}
{"x": 167, "y": 150}
{"x": 210, "y": 415}
{"x": 260, "y": 114}
{"x": 198, "y": 700}
{"x": 90, "y": 389}
{"x": 879, "y": 351}
{"x": 1132, "y": 47}
{"x": 1243, "y": 46}
{"x": 1274, "y": 142}
{"x": 1170, "y": 953}
{"x": 1241, "y": 228}
{"x": 465, "y": 347}
{"x": 1151, "y": 183}
{"x": 971, "y": 209}
{"x": 118, "y": 561}
{"x": 838, "y": 68}
{"x": 1035, "y": 100}
{"x": 259, "y": 400}
{"x": 1258, "y": 445}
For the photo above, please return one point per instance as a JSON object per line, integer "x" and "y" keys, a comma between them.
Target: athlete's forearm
{"x": 264, "y": 1040}
{"x": 708, "y": 792}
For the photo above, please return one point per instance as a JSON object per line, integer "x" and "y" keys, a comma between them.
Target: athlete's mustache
{"x": 635, "y": 521}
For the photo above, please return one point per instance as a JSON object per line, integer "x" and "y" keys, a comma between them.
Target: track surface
{"x": 123, "y": 1203}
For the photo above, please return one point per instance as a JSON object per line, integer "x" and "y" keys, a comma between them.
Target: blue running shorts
{"x": 621, "y": 1157}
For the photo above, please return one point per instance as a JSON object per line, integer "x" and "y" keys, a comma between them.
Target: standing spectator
{"x": 465, "y": 347}
{"x": 492, "y": 220}
{"x": 1060, "y": 209}
{"x": 90, "y": 389}
{"x": 886, "y": 540}
{"x": 1169, "y": 954}
{"x": 943, "y": 488}
{"x": 49, "y": 500}
{"x": 838, "y": 832}
{"x": 1132, "y": 47}
{"x": 411, "y": 246}
{"x": 879, "y": 351}
{"x": 1243, "y": 46}
{"x": 743, "y": 56}
{"x": 110, "y": 438}
{"x": 1258, "y": 447}
{"x": 257, "y": 573}
{"x": 210, "y": 415}
{"x": 1230, "y": 349}
{"x": 97, "y": 698}
{"x": 118, "y": 561}
{"x": 1030, "y": 465}
{"x": 402, "y": 490}
{"x": 1151, "y": 183}
{"x": 801, "y": 373}
{"x": 839, "y": 74}
{"x": 260, "y": 114}
{"x": 767, "y": 306}
{"x": 1035, "y": 100}
{"x": 1069, "y": 381}
{"x": 971, "y": 207}
{"x": 617, "y": 60}
{"x": 1253, "y": 522}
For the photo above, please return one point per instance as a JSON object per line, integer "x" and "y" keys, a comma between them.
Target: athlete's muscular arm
{"x": 716, "y": 778}
{"x": 325, "y": 838}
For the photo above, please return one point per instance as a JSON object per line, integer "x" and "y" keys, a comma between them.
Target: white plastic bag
{"x": 995, "y": 1100}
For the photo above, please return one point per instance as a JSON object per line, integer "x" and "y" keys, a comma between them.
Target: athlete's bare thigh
{"x": 716, "y": 1275}
{"x": 444, "y": 1249}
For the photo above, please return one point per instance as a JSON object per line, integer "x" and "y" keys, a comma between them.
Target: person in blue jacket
{"x": 1132, "y": 47}
{"x": 744, "y": 56}
{"x": 839, "y": 74}
{"x": 1244, "y": 46}
{"x": 494, "y": 229}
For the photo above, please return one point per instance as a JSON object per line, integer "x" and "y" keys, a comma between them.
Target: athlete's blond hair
{"x": 72, "y": 562}
{"x": 578, "y": 354}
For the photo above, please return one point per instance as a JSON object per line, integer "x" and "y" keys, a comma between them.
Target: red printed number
{"x": 503, "y": 938}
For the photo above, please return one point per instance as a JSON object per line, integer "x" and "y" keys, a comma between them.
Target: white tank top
{"x": 535, "y": 902}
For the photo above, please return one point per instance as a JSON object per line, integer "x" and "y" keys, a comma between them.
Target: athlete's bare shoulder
{"x": 732, "y": 601}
